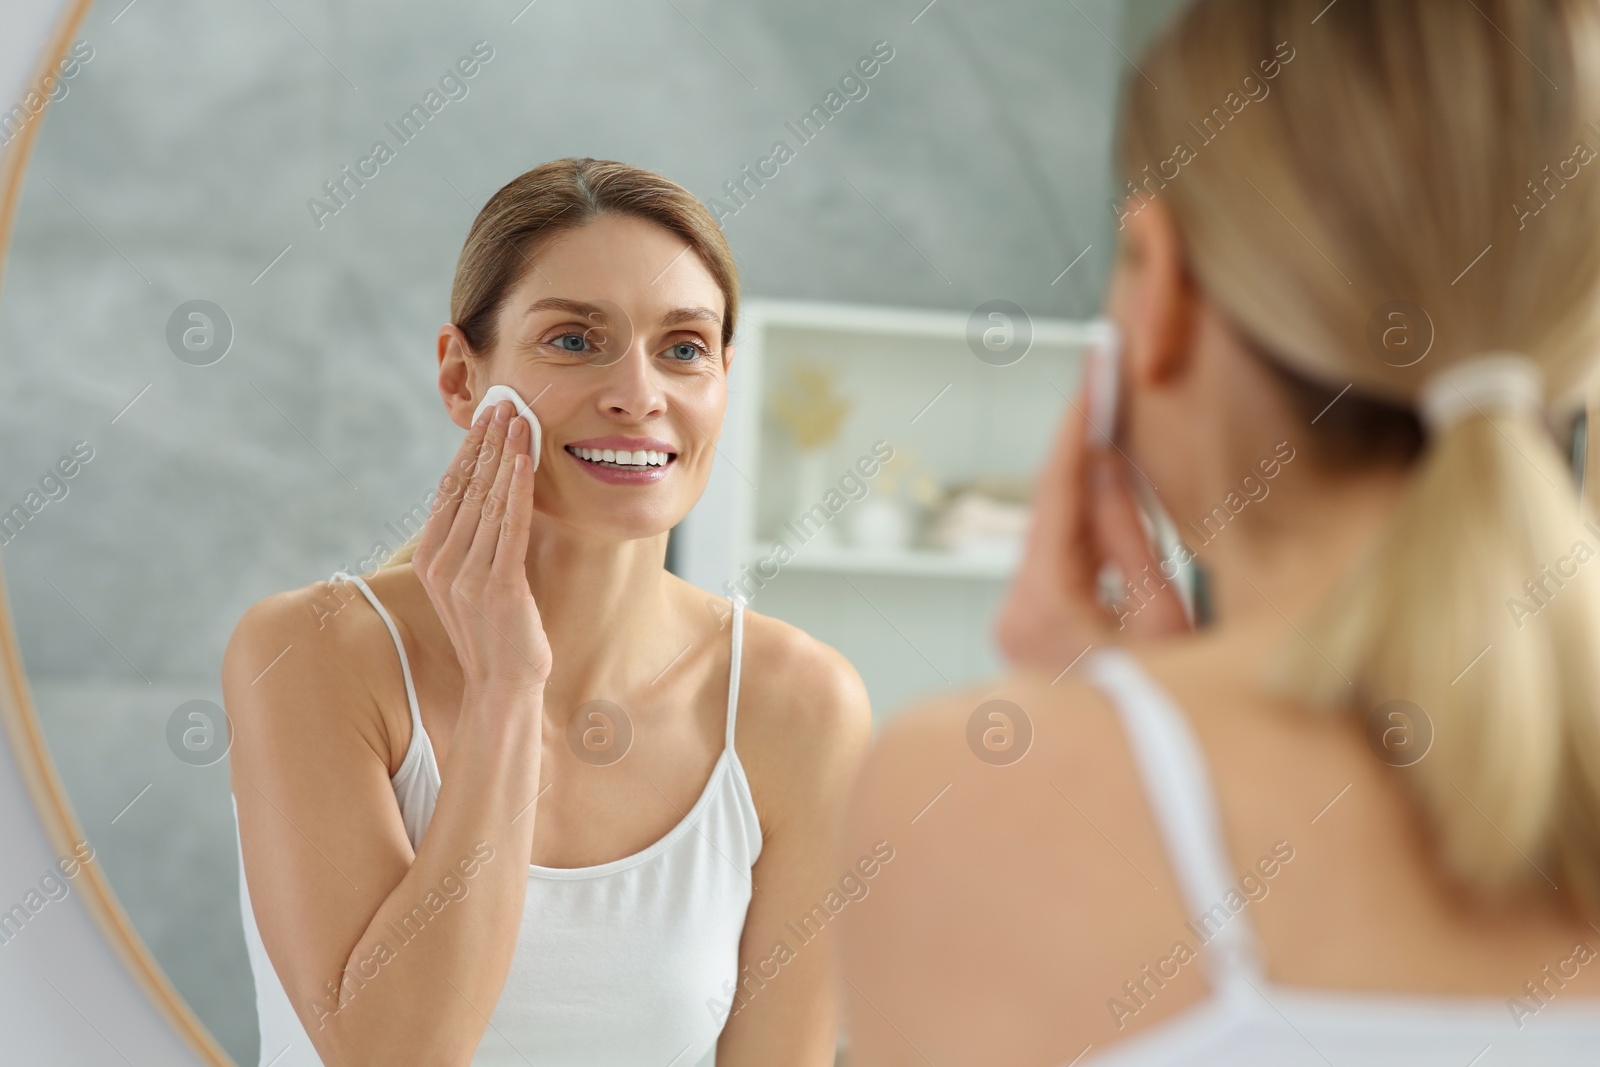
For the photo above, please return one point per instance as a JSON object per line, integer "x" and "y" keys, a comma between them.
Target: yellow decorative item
{"x": 810, "y": 407}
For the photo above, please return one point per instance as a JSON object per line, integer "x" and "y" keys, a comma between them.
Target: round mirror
{"x": 229, "y": 238}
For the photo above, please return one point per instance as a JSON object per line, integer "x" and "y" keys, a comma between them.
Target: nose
{"x": 631, "y": 390}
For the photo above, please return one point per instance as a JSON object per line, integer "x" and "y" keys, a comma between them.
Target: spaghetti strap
{"x": 1173, "y": 769}
{"x": 733, "y": 670}
{"x": 586, "y": 938}
{"x": 405, "y": 666}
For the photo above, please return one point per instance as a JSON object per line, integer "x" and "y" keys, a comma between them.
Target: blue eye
{"x": 686, "y": 350}
{"x": 580, "y": 342}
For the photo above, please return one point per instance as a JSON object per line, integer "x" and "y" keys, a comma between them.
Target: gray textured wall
{"x": 179, "y": 166}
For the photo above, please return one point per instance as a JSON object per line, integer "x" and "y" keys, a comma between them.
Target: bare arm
{"x": 334, "y": 883}
{"x": 386, "y": 955}
{"x": 786, "y": 1010}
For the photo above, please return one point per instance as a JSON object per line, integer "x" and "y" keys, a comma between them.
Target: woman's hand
{"x": 1084, "y": 516}
{"x": 471, "y": 560}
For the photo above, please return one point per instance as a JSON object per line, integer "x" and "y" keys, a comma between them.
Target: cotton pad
{"x": 497, "y": 393}
{"x": 1104, "y": 351}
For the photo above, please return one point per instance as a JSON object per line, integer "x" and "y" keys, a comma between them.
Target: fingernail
{"x": 482, "y": 417}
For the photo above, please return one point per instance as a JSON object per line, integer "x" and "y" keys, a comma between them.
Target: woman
{"x": 1355, "y": 819}
{"x": 559, "y": 696}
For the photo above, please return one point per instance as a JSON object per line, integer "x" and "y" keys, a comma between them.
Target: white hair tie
{"x": 1479, "y": 385}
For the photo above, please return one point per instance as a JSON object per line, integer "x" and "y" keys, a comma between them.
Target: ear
{"x": 458, "y": 373}
{"x": 1156, "y": 300}
{"x": 727, "y": 356}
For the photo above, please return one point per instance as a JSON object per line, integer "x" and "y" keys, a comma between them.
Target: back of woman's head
{"x": 1372, "y": 192}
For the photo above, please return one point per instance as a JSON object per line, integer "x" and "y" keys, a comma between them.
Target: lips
{"x": 624, "y": 460}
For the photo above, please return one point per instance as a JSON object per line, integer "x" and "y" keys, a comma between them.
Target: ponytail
{"x": 1479, "y": 606}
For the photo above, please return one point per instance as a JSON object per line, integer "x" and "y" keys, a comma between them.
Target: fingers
{"x": 1118, "y": 526}
{"x": 447, "y": 499}
{"x": 512, "y": 548}
{"x": 464, "y": 524}
{"x": 1052, "y": 571}
{"x": 1096, "y": 398}
{"x": 1050, "y": 584}
{"x": 1120, "y": 538}
{"x": 491, "y": 516}
{"x": 1057, "y": 531}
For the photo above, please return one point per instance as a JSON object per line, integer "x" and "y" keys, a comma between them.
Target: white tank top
{"x": 630, "y": 962}
{"x": 1249, "y": 1019}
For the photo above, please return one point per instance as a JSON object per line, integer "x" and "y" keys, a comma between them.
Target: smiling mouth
{"x": 643, "y": 459}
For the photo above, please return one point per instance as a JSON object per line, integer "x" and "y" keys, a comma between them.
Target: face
{"x": 614, "y": 338}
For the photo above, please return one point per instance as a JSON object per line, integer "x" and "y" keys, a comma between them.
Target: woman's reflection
{"x": 560, "y": 700}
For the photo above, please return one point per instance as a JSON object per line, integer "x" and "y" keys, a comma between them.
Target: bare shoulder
{"x": 792, "y": 673}
{"x": 794, "y": 685}
{"x": 1019, "y": 838}
{"x": 968, "y": 782}
{"x": 1020, "y": 723}
{"x": 804, "y": 718}
{"x": 314, "y": 625}
{"x": 296, "y": 656}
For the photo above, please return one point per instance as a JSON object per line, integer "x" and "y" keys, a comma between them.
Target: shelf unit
{"x": 912, "y": 620}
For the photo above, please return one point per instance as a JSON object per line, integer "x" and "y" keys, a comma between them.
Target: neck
{"x": 1282, "y": 555}
{"x": 606, "y": 608}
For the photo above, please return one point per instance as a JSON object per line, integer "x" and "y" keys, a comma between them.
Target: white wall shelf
{"x": 914, "y": 382}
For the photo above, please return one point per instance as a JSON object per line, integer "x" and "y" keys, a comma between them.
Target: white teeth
{"x": 644, "y": 457}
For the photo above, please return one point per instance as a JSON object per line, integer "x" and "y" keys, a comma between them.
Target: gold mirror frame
{"x": 17, "y": 712}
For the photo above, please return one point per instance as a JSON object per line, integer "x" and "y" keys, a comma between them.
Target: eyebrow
{"x": 691, "y": 314}
{"x": 587, "y": 310}
{"x": 560, "y": 303}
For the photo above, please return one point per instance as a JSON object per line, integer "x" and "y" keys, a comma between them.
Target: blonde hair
{"x": 1419, "y": 151}
{"x": 552, "y": 199}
